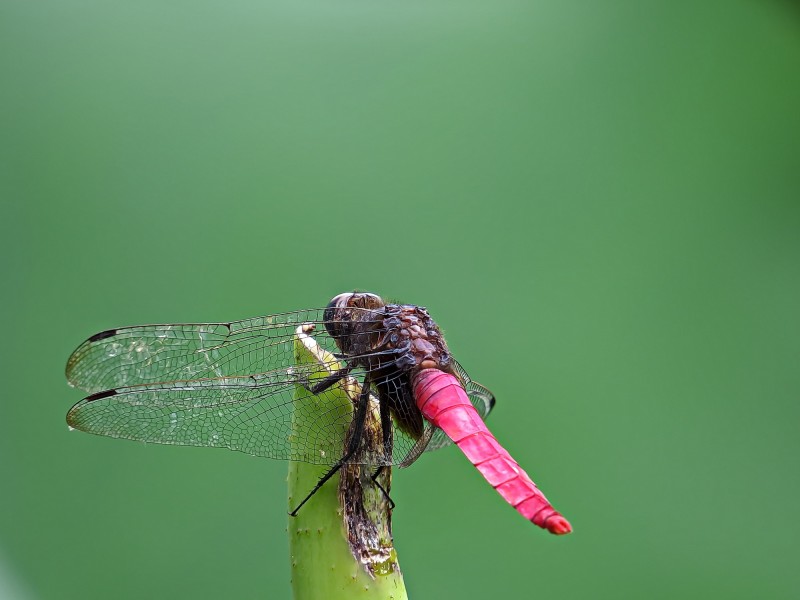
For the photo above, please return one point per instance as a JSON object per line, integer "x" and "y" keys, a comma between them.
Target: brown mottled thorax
{"x": 411, "y": 326}
{"x": 393, "y": 342}
{"x": 363, "y": 325}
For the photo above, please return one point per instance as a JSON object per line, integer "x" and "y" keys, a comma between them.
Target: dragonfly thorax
{"x": 393, "y": 337}
{"x": 412, "y": 329}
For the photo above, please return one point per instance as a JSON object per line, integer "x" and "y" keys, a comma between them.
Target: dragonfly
{"x": 237, "y": 385}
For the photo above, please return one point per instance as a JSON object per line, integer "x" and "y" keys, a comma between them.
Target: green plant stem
{"x": 322, "y": 564}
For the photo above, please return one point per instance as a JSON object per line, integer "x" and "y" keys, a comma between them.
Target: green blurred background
{"x": 598, "y": 201}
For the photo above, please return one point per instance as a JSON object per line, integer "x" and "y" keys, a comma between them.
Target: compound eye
{"x": 372, "y": 300}
{"x": 365, "y": 300}
{"x": 340, "y": 300}
{"x": 332, "y": 325}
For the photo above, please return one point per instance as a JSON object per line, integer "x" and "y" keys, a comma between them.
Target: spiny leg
{"x": 380, "y": 487}
{"x": 329, "y": 380}
{"x": 386, "y": 432}
{"x": 390, "y": 352}
{"x": 359, "y": 419}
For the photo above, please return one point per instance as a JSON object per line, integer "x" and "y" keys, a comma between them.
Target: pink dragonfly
{"x": 236, "y": 385}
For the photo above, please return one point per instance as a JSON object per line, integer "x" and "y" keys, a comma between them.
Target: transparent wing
{"x": 157, "y": 353}
{"x": 192, "y": 384}
{"x": 256, "y": 415}
{"x": 250, "y": 414}
{"x": 482, "y": 399}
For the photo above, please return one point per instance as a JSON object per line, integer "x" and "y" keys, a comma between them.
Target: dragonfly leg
{"x": 359, "y": 419}
{"x": 386, "y": 432}
{"x": 390, "y": 351}
{"x": 328, "y": 381}
{"x": 380, "y": 487}
{"x": 369, "y": 356}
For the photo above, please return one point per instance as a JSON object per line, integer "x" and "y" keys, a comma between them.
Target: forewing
{"x": 149, "y": 354}
{"x": 252, "y": 414}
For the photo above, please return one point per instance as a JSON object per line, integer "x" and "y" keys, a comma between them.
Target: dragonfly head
{"x": 346, "y": 308}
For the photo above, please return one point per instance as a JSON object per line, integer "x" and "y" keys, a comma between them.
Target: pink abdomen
{"x": 443, "y": 401}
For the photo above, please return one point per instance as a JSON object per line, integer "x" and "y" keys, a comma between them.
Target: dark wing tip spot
{"x": 103, "y": 335}
{"x": 100, "y": 395}
{"x": 492, "y": 401}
